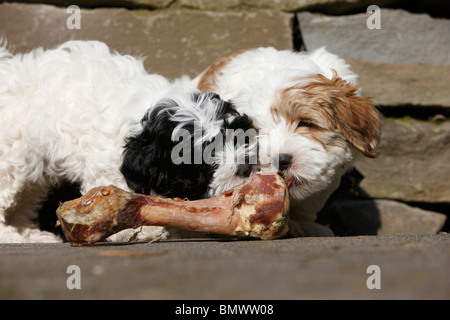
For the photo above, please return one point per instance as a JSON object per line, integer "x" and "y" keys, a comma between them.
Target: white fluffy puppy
{"x": 83, "y": 113}
{"x": 312, "y": 120}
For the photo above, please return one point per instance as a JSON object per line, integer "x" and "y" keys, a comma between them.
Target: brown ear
{"x": 357, "y": 118}
{"x": 354, "y": 116}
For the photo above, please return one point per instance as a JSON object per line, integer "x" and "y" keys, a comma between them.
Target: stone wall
{"x": 404, "y": 67}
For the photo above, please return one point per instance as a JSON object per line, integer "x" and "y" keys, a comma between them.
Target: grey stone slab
{"x": 151, "y": 4}
{"x": 398, "y": 84}
{"x": 327, "y": 6}
{"x": 403, "y": 38}
{"x": 414, "y": 162}
{"x": 174, "y": 42}
{"x": 411, "y": 267}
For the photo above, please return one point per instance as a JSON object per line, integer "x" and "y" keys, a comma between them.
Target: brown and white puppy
{"x": 312, "y": 120}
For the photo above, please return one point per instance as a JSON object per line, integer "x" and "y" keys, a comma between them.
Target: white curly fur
{"x": 64, "y": 113}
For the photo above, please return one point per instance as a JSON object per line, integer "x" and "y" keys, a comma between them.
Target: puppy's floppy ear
{"x": 356, "y": 118}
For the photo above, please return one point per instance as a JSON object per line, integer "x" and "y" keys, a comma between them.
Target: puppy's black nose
{"x": 284, "y": 161}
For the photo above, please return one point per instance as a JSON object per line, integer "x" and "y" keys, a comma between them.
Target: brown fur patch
{"x": 208, "y": 80}
{"x": 331, "y": 104}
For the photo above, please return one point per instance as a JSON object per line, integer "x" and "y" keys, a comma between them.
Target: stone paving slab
{"x": 411, "y": 267}
{"x": 414, "y": 158}
{"x": 403, "y": 37}
{"x": 396, "y": 84}
{"x": 174, "y": 42}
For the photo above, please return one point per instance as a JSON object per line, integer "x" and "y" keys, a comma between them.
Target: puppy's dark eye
{"x": 304, "y": 123}
{"x": 244, "y": 170}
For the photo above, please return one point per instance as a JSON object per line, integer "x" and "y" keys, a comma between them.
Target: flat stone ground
{"x": 411, "y": 267}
